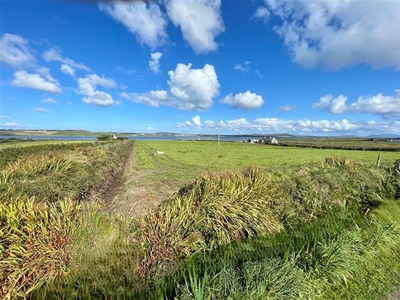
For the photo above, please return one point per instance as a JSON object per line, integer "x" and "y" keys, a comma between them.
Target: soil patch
{"x": 137, "y": 192}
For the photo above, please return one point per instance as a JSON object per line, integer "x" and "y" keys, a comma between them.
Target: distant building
{"x": 269, "y": 140}
{"x": 252, "y": 141}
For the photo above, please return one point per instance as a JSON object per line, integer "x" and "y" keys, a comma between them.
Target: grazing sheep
{"x": 160, "y": 152}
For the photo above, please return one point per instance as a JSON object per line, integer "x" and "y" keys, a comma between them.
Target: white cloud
{"x": 200, "y": 22}
{"x": 333, "y": 105}
{"x": 49, "y": 100}
{"x": 258, "y": 74}
{"x": 339, "y": 33}
{"x": 154, "y": 62}
{"x": 287, "y": 108}
{"x": 245, "y": 100}
{"x": 87, "y": 86}
{"x": 189, "y": 89}
{"x": 242, "y": 68}
{"x": 152, "y": 98}
{"x": 378, "y": 104}
{"x": 66, "y": 69}
{"x": 145, "y": 20}
{"x": 9, "y": 124}
{"x": 41, "y": 81}
{"x": 15, "y": 51}
{"x": 196, "y": 121}
{"x": 54, "y": 55}
{"x": 41, "y": 109}
{"x": 262, "y": 13}
{"x": 300, "y": 127}
{"x": 246, "y": 68}
{"x": 193, "y": 88}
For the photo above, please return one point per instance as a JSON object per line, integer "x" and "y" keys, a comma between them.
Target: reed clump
{"x": 41, "y": 215}
{"x": 34, "y": 240}
{"x": 222, "y": 207}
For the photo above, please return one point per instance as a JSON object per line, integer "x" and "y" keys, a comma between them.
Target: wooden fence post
{"x": 378, "y": 161}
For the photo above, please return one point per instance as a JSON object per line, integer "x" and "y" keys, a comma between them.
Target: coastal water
{"x": 149, "y": 138}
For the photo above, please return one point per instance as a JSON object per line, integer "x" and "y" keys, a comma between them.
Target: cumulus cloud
{"x": 41, "y": 81}
{"x": 245, "y": 100}
{"x": 339, "y": 33}
{"x": 189, "y": 89}
{"x": 49, "y": 100}
{"x": 69, "y": 64}
{"x": 196, "y": 121}
{"x": 300, "y": 127}
{"x": 378, "y": 104}
{"x": 88, "y": 86}
{"x": 15, "y": 51}
{"x": 333, "y": 105}
{"x": 144, "y": 19}
{"x": 154, "y": 62}
{"x": 199, "y": 20}
{"x": 66, "y": 69}
{"x": 41, "y": 109}
{"x": 194, "y": 88}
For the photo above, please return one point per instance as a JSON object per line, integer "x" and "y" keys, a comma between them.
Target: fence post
{"x": 378, "y": 161}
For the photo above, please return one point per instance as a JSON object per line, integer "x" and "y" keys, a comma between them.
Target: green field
{"x": 119, "y": 220}
{"x": 241, "y": 155}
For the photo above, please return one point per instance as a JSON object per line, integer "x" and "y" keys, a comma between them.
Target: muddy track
{"x": 137, "y": 192}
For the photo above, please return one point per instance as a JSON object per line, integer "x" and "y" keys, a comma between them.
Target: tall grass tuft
{"x": 34, "y": 243}
{"x": 40, "y": 214}
{"x": 215, "y": 210}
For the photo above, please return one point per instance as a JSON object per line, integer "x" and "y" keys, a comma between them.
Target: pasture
{"x": 116, "y": 220}
{"x": 207, "y": 154}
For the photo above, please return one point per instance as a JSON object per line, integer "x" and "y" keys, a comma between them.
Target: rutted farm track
{"x": 137, "y": 190}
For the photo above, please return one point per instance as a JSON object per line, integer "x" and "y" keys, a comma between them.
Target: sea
{"x": 237, "y": 138}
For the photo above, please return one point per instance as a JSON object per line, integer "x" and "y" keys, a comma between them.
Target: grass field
{"x": 239, "y": 221}
{"x": 241, "y": 155}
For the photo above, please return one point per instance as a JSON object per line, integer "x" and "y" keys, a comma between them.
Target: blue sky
{"x": 292, "y": 66}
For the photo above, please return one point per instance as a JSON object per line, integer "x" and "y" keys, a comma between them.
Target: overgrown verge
{"x": 342, "y": 255}
{"x": 40, "y": 214}
{"x": 312, "y": 220}
{"x": 51, "y": 173}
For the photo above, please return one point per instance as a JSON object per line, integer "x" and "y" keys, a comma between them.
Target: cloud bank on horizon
{"x": 300, "y": 67}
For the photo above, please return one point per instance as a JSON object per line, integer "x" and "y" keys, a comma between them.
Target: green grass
{"x": 303, "y": 233}
{"x": 298, "y": 225}
{"x": 24, "y": 143}
{"x": 342, "y": 255}
{"x": 345, "y": 143}
{"x": 206, "y": 154}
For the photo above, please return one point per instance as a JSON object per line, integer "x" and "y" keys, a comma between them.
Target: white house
{"x": 269, "y": 140}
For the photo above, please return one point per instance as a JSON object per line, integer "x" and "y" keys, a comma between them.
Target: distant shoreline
{"x": 85, "y": 133}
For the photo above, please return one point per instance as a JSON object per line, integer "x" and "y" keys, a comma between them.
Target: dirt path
{"x": 141, "y": 191}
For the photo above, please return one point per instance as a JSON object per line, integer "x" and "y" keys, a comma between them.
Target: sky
{"x": 320, "y": 68}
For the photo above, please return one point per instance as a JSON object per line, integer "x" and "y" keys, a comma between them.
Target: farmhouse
{"x": 268, "y": 140}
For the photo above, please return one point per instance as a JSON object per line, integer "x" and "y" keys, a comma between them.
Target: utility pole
{"x": 219, "y": 131}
